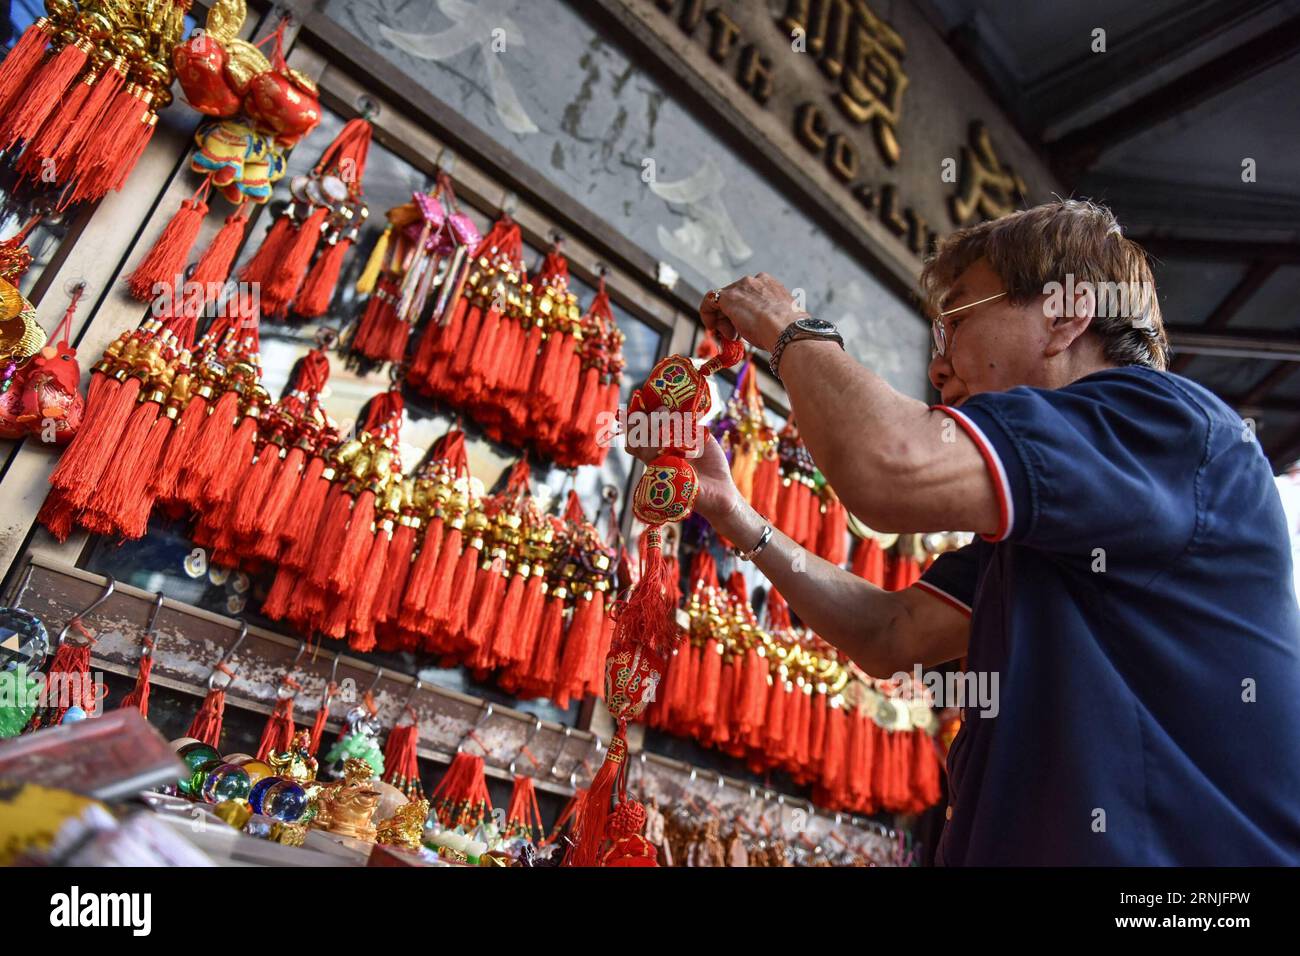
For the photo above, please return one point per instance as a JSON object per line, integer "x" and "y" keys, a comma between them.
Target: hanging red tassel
{"x": 41, "y": 95}
{"x": 138, "y": 697}
{"x": 317, "y": 290}
{"x": 213, "y": 268}
{"x": 162, "y": 271}
{"x": 206, "y": 726}
{"x": 279, "y": 730}
{"x": 69, "y": 677}
{"x": 20, "y": 65}
{"x": 322, "y": 715}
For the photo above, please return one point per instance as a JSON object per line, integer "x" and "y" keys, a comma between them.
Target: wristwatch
{"x": 805, "y": 328}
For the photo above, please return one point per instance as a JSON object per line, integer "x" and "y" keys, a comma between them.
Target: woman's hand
{"x": 757, "y": 308}
{"x": 718, "y": 496}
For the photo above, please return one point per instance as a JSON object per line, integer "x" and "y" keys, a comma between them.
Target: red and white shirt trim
{"x": 943, "y": 596}
{"x": 1006, "y": 506}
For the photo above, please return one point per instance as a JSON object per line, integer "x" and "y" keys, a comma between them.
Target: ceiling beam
{"x": 1242, "y": 292}
{"x": 1233, "y": 210}
{"x": 1055, "y": 98}
{"x": 1259, "y": 394}
{"x": 1278, "y": 346}
{"x": 1177, "y": 247}
{"x": 1080, "y": 148}
{"x": 1283, "y": 451}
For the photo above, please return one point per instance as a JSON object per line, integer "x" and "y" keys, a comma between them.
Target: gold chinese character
{"x": 986, "y": 186}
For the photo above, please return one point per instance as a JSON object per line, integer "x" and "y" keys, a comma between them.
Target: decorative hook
{"x": 288, "y": 686}
{"x": 76, "y": 619}
{"x": 229, "y": 653}
{"x": 537, "y": 726}
{"x": 151, "y": 629}
{"x": 564, "y": 745}
{"x": 484, "y": 714}
{"x": 407, "y": 709}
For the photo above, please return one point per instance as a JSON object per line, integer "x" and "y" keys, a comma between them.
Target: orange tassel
{"x": 317, "y": 290}
{"x": 291, "y": 265}
{"x": 213, "y": 268}
{"x": 207, "y": 450}
{"x": 490, "y": 589}
{"x": 414, "y": 612}
{"x": 581, "y": 646}
{"x": 20, "y": 65}
{"x": 545, "y": 661}
{"x": 162, "y": 271}
{"x": 138, "y": 698}
{"x": 355, "y": 545}
{"x": 292, "y": 484}
{"x": 206, "y": 726}
{"x": 279, "y": 730}
{"x": 461, "y": 586}
{"x": 365, "y": 590}
{"x": 388, "y": 602}
{"x": 42, "y": 94}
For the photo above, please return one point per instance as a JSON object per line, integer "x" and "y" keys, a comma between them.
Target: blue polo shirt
{"x": 1138, "y": 609}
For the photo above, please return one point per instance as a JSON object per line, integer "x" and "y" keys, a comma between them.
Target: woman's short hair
{"x": 1053, "y": 248}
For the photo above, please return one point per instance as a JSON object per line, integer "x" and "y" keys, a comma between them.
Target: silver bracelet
{"x": 763, "y": 539}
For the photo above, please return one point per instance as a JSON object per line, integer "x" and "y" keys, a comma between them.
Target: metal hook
{"x": 230, "y": 651}
{"x": 406, "y": 705}
{"x": 104, "y": 595}
{"x": 537, "y": 726}
{"x": 369, "y": 109}
{"x": 564, "y": 745}
{"x": 288, "y": 675}
{"x": 484, "y": 714}
{"x": 334, "y": 672}
{"x": 445, "y": 163}
{"x": 151, "y": 629}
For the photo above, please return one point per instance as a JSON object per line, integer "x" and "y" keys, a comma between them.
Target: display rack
{"x": 189, "y": 641}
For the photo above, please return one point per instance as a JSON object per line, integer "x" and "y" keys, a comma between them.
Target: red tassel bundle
{"x": 401, "y": 760}
{"x": 325, "y": 205}
{"x": 461, "y": 798}
{"x": 206, "y": 726}
{"x": 523, "y": 815}
{"x": 279, "y": 729}
{"x": 80, "y": 106}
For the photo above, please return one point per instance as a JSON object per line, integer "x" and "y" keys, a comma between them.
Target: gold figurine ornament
{"x": 406, "y": 826}
{"x": 347, "y": 807}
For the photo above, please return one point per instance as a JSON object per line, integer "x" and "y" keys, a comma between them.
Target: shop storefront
{"x": 626, "y": 152}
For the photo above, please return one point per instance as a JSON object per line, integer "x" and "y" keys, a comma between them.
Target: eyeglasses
{"x": 940, "y": 333}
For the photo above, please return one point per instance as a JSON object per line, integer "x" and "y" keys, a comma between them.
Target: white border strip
{"x": 943, "y": 595}
{"x": 990, "y": 455}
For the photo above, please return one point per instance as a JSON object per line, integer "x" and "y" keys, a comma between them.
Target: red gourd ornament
{"x": 646, "y": 631}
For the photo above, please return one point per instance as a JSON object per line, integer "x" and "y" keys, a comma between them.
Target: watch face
{"x": 816, "y": 326}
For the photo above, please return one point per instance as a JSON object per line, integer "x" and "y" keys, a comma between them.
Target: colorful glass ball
{"x": 223, "y": 782}
{"x": 257, "y": 770}
{"x": 194, "y": 756}
{"x": 284, "y": 800}
{"x": 666, "y": 492}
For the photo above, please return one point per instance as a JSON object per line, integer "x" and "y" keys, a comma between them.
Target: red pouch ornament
{"x": 20, "y": 338}
{"x": 646, "y": 631}
{"x": 52, "y": 404}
